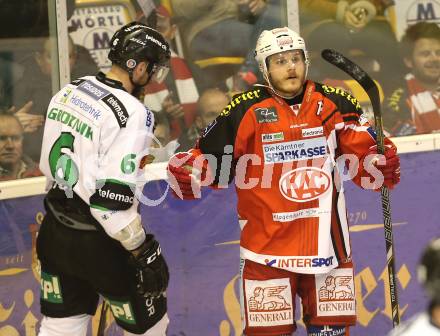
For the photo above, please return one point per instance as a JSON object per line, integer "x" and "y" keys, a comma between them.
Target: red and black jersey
{"x": 283, "y": 155}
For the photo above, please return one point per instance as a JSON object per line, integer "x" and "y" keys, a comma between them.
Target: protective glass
{"x": 159, "y": 73}
{"x": 12, "y": 138}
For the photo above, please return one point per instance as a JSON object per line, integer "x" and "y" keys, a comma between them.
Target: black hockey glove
{"x": 152, "y": 270}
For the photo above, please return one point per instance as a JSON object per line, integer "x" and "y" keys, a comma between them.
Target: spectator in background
{"x": 317, "y": 10}
{"x": 217, "y": 35}
{"x": 33, "y": 91}
{"x": 263, "y": 18}
{"x": 356, "y": 28}
{"x": 146, "y": 12}
{"x": 13, "y": 163}
{"x": 413, "y": 105}
{"x": 210, "y": 104}
{"x": 176, "y": 98}
{"x": 426, "y": 323}
{"x": 162, "y": 147}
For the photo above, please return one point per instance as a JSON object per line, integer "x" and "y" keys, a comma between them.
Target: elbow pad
{"x": 132, "y": 235}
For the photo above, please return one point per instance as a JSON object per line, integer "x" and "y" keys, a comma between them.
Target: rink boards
{"x": 200, "y": 242}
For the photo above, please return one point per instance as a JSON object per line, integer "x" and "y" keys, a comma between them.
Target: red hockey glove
{"x": 184, "y": 176}
{"x": 390, "y": 167}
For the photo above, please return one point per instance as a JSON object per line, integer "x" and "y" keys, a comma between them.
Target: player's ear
{"x": 142, "y": 67}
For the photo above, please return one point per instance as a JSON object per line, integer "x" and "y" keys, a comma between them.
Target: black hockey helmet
{"x": 135, "y": 43}
{"x": 429, "y": 269}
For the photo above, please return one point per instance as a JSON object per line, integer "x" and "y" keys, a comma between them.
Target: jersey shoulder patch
{"x": 243, "y": 101}
{"x": 343, "y": 100}
{"x": 117, "y": 108}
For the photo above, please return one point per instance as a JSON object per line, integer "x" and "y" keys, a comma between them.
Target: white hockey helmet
{"x": 275, "y": 41}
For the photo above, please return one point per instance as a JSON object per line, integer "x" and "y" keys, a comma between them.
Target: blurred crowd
{"x": 212, "y": 59}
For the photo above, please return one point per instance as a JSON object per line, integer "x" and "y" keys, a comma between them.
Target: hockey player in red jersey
{"x": 289, "y": 144}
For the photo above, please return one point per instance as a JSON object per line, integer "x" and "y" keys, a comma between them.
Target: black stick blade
{"x": 365, "y": 81}
{"x": 352, "y": 69}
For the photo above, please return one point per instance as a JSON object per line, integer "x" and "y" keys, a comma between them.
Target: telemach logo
{"x": 118, "y": 109}
{"x": 152, "y": 39}
{"x": 115, "y": 196}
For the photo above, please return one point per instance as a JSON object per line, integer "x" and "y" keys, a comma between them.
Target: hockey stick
{"x": 102, "y": 319}
{"x": 372, "y": 91}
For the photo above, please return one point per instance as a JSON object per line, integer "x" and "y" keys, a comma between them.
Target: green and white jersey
{"x": 95, "y": 136}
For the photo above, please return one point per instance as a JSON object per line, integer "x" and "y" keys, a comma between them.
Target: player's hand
{"x": 257, "y": 7}
{"x": 390, "y": 167}
{"x": 359, "y": 14}
{"x": 151, "y": 269}
{"x": 30, "y": 122}
{"x": 173, "y": 110}
{"x": 352, "y": 21}
{"x": 184, "y": 179}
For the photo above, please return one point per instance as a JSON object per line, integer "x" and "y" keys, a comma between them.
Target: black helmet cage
{"x": 135, "y": 43}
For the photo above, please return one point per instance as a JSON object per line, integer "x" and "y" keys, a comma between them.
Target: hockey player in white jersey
{"x": 91, "y": 241}
{"x": 426, "y": 323}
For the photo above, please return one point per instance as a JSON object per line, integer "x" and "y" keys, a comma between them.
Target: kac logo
{"x": 304, "y": 184}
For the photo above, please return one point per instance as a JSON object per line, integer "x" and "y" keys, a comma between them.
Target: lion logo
{"x": 268, "y": 299}
{"x": 336, "y": 289}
